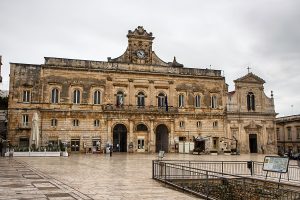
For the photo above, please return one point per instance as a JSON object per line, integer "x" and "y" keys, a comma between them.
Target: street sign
{"x": 276, "y": 164}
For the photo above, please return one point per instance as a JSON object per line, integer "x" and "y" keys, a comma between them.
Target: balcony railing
{"x": 24, "y": 125}
{"x": 140, "y": 109}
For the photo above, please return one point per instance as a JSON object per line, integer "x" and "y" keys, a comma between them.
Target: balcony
{"x": 24, "y": 126}
{"x": 140, "y": 109}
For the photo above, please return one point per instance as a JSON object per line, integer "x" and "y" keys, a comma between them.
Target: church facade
{"x": 137, "y": 103}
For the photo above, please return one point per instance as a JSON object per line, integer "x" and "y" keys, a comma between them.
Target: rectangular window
{"x": 75, "y": 122}
{"x": 26, "y": 96}
{"x": 181, "y": 101}
{"x": 25, "y": 120}
{"x": 215, "y": 124}
{"x": 289, "y": 133}
{"x": 197, "y": 101}
{"x": 181, "y": 124}
{"x": 278, "y": 133}
{"x": 213, "y": 102}
{"x": 53, "y": 122}
{"x": 298, "y": 132}
{"x": 97, "y": 123}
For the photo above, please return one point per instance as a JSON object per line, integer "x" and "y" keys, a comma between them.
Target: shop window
{"x": 23, "y": 142}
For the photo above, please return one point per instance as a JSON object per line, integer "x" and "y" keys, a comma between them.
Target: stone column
{"x": 109, "y": 134}
{"x": 131, "y": 136}
{"x": 172, "y": 136}
{"x": 151, "y": 137}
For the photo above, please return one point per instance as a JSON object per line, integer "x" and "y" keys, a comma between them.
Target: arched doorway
{"x": 120, "y": 138}
{"x": 162, "y": 138}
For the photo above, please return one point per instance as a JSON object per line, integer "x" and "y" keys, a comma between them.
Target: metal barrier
{"x": 244, "y": 168}
{"x": 221, "y": 182}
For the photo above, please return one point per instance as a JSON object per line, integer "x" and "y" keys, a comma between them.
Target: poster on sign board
{"x": 276, "y": 164}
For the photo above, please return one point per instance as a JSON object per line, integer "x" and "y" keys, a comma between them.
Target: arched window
{"x": 250, "y": 101}
{"x": 141, "y": 99}
{"x": 76, "y": 96}
{"x": 197, "y": 101}
{"x": 97, "y": 97}
{"x": 141, "y": 127}
{"x": 213, "y": 102}
{"x": 120, "y": 99}
{"x": 161, "y": 100}
{"x": 54, "y": 95}
{"x": 181, "y": 100}
{"x": 181, "y": 124}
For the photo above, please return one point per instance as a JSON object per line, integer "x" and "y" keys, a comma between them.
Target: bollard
{"x": 250, "y": 166}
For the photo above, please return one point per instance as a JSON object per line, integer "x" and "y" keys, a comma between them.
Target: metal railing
{"x": 241, "y": 168}
{"x": 189, "y": 177}
{"x": 132, "y": 108}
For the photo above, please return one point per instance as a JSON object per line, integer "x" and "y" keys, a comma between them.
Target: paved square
{"x": 91, "y": 176}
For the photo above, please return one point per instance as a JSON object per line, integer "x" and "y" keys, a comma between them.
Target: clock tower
{"x": 140, "y": 46}
{"x": 139, "y": 49}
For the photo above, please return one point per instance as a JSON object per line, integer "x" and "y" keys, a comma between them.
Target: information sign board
{"x": 276, "y": 164}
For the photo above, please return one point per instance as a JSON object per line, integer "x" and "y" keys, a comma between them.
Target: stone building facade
{"x": 136, "y": 102}
{"x": 288, "y": 134}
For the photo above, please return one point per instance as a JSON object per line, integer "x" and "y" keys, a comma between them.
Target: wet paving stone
{"x": 95, "y": 176}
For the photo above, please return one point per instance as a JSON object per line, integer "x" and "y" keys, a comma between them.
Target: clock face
{"x": 140, "y": 54}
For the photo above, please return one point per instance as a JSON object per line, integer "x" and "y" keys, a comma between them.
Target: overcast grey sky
{"x": 228, "y": 35}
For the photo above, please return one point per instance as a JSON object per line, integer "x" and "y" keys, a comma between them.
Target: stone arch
{"x": 162, "y": 138}
{"x": 120, "y": 137}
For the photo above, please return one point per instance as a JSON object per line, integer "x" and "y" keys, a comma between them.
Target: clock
{"x": 140, "y": 54}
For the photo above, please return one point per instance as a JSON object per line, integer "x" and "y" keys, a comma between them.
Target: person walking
{"x": 110, "y": 151}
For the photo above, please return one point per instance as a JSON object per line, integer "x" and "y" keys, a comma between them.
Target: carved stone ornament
{"x": 253, "y": 125}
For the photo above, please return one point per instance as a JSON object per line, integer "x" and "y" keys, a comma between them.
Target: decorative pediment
{"x": 139, "y": 50}
{"x": 140, "y": 32}
{"x": 253, "y": 125}
{"x": 250, "y": 78}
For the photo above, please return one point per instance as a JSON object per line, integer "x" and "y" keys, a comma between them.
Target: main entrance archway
{"x": 253, "y": 143}
{"x": 162, "y": 138}
{"x": 120, "y": 138}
